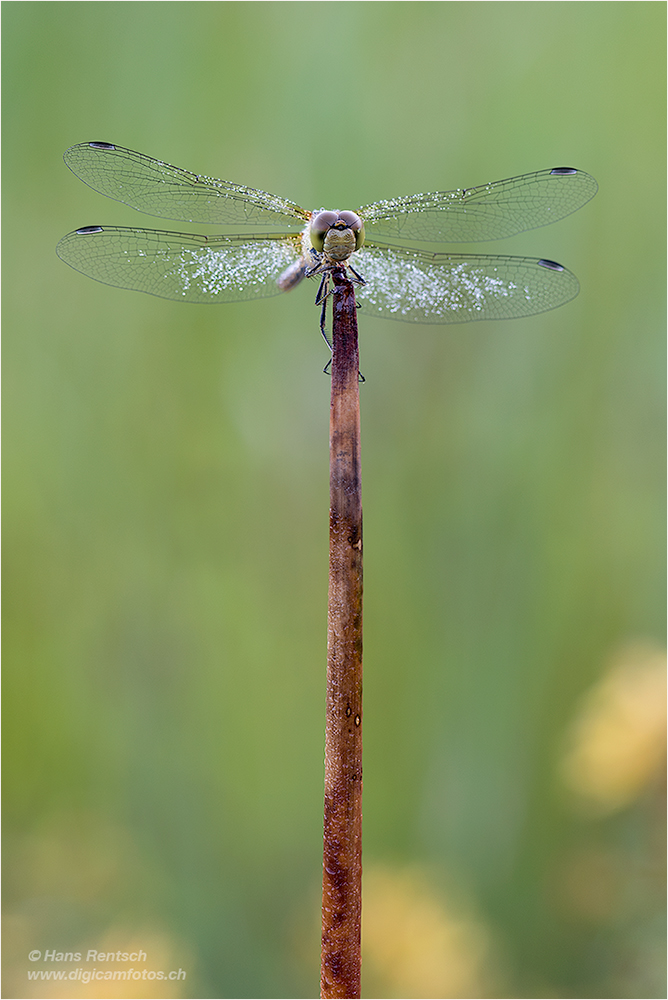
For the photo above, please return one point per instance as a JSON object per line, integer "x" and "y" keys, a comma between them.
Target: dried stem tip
{"x": 342, "y": 861}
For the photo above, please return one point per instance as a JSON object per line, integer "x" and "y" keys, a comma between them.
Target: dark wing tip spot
{"x": 101, "y": 145}
{"x": 551, "y": 264}
{"x": 87, "y": 230}
{"x": 563, "y": 171}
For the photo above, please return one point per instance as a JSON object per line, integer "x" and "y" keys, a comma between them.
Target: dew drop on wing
{"x": 101, "y": 145}
{"x": 551, "y": 264}
{"x": 563, "y": 171}
{"x": 87, "y": 230}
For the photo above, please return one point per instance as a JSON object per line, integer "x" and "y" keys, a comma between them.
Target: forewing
{"x": 169, "y": 192}
{"x": 179, "y": 266}
{"x": 417, "y": 287}
{"x": 488, "y": 212}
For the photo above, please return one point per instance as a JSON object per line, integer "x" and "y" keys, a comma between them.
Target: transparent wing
{"x": 488, "y": 212}
{"x": 418, "y": 287}
{"x": 160, "y": 189}
{"x": 180, "y": 266}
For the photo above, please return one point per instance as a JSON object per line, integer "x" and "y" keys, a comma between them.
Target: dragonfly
{"x": 278, "y": 243}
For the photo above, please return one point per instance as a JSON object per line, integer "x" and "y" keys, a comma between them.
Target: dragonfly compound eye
{"x": 354, "y": 222}
{"x": 321, "y": 223}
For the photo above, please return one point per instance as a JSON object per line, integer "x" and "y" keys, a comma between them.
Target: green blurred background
{"x": 166, "y": 500}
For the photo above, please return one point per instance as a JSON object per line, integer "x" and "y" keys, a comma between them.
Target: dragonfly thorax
{"x": 336, "y": 234}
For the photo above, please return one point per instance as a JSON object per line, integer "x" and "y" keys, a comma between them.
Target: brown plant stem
{"x": 342, "y": 858}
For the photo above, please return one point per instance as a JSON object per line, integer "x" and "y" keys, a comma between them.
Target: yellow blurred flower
{"x": 414, "y": 942}
{"x": 616, "y": 745}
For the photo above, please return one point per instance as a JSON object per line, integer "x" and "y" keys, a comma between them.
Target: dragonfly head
{"x": 336, "y": 234}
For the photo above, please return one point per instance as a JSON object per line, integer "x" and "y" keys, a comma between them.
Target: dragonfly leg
{"x": 323, "y": 317}
{"x": 360, "y": 377}
{"x": 357, "y": 279}
{"x": 360, "y": 280}
{"x": 323, "y": 289}
{"x": 316, "y": 265}
{"x": 324, "y": 334}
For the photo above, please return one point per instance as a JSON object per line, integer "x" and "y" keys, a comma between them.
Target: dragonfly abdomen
{"x": 292, "y": 275}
